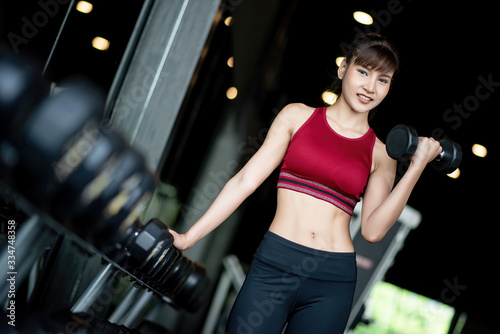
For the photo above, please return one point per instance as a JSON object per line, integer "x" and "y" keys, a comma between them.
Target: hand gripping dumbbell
{"x": 402, "y": 142}
{"x": 153, "y": 259}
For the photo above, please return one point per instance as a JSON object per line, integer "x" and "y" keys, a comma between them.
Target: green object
{"x": 393, "y": 310}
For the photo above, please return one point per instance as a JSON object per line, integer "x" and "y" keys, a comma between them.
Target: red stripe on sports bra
{"x": 318, "y": 190}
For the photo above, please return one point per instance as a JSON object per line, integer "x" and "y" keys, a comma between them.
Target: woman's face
{"x": 363, "y": 88}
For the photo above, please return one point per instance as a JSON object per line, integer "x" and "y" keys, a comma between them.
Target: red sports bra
{"x": 321, "y": 163}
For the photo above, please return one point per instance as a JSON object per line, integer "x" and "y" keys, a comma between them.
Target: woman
{"x": 304, "y": 272}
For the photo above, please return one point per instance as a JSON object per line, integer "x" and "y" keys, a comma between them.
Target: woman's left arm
{"x": 381, "y": 206}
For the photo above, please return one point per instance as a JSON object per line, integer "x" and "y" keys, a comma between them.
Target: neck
{"x": 342, "y": 113}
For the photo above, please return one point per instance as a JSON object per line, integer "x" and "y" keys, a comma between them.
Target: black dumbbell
{"x": 124, "y": 209}
{"x": 47, "y": 136}
{"x": 98, "y": 185}
{"x": 92, "y": 152}
{"x": 402, "y": 142}
{"x": 119, "y": 251}
{"x": 150, "y": 251}
{"x": 151, "y": 239}
{"x": 118, "y": 187}
{"x": 104, "y": 186}
{"x": 89, "y": 180}
{"x": 21, "y": 89}
{"x": 155, "y": 261}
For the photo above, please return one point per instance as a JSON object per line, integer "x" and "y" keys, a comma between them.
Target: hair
{"x": 372, "y": 51}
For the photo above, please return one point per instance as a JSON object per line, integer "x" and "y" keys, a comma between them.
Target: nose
{"x": 369, "y": 85}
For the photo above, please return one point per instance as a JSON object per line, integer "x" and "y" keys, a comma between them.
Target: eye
{"x": 384, "y": 81}
{"x": 363, "y": 72}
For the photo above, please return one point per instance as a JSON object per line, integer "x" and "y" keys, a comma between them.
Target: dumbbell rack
{"x": 78, "y": 180}
{"x": 38, "y": 231}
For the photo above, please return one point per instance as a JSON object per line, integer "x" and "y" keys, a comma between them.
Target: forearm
{"x": 387, "y": 213}
{"x": 229, "y": 199}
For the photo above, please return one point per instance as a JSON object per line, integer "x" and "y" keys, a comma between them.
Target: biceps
{"x": 378, "y": 188}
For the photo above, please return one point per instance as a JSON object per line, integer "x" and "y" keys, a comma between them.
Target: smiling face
{"x": 366, "y": 73}
{"x": 364, "y": 88}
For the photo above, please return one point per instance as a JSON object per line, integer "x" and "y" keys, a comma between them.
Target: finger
{"x": 174, "y": 234}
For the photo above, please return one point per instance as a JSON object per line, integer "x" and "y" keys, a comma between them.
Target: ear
{"x": 342, "y": 68}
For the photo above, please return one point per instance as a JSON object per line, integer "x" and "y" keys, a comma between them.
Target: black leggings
{"x": 311, "y": 290}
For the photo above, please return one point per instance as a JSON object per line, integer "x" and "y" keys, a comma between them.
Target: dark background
{"x": 447, "y": 51}
{"x": 444, "y": 49}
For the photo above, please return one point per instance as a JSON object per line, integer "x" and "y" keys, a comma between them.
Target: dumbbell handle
{"x": 439, "y": 156}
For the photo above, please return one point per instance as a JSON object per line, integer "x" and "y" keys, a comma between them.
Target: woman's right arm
{"x": 244, "y": 183}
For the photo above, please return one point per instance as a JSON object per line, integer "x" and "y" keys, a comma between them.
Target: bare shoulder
{"x": 297, "y": 110}
{"x": 381, "y": 160}
{"x": 295, "y": 114}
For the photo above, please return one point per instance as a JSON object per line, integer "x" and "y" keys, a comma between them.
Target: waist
{"x": 311, "y": 222}
{"x": 300, "y": 260}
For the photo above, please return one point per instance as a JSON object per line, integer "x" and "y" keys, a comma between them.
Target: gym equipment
{"x": 35, "y": 236}
{"x": 89, "y": 180}
{"x": 100, "y": 149}
{"x": 89, "y": 186}
{"x": 44, "y": 139}
{"x": 20, "y": 91}
{"x": 402, "y": 142}
{"x": 64, "y": 321}
{"x": 116, "y": 195}
{"x": 155, "y": 260}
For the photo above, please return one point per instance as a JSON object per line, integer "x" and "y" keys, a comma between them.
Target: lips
{"x": 364, "y": 99}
